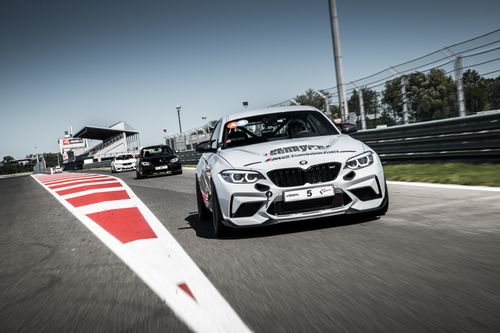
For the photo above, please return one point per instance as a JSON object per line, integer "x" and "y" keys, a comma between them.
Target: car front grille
{"x": 290, "y": 177}
{"x": 302, "y": 206}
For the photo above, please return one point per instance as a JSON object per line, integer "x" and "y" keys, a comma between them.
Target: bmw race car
{"x": 285, "y": 164}
{"x": 123, "y": 162}
{"x": 157, "y": 159}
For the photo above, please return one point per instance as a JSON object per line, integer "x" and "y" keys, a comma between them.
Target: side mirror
{"x": 205, "y": 147}
{"x": 348, "y": 128}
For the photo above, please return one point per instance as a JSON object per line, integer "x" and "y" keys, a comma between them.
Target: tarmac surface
{"x": 431, "y": 264}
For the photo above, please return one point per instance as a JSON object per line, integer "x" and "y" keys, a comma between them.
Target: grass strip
{"x": 446, "y": 173}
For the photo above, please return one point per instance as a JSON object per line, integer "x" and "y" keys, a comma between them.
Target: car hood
{"x": 279, "y": 154}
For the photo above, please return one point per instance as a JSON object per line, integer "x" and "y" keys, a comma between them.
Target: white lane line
{"x": 447, "y": 186}
{"x": 106, "y": 205}
{"x": 166, "y": 268}
{"x": 78, "y": 181}
{"x": 96, "y": 190}
{"x": 111, "y": 180}
{"x": 44, "y": 178}
{"x": 60, "y": 181}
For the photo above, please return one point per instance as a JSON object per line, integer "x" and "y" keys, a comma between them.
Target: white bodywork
{"x": 123, "y": 162}
{"x": 300, "y": 153}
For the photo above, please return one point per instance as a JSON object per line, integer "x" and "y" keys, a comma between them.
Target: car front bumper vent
{"x": 302, "y": 206}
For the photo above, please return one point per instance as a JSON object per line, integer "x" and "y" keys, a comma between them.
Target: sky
{"x": 85, "y": 62}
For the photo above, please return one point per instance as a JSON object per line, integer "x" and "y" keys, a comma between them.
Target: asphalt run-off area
{"x": 92, "y": 251}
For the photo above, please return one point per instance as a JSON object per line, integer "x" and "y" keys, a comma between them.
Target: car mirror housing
{"x": 348, "y": 128}
{"x": 205, "y": 147}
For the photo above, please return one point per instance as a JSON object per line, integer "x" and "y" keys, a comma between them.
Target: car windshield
{"x": 124, "y": 157}
{"x": 158, "y": 150}
{"x": 276, "y": 126}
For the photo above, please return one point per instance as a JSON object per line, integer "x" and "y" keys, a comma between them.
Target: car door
{"x": 208, "y": 160}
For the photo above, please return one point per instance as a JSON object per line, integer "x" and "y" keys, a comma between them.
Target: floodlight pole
{"x": 403, "y": 82}
{"x": 361, "y": 106}
{"x": 178, "y": 107}
{"x": 338, "y": 60}
{"x": 457, "y": 62}
{"x": 327, "y": 102}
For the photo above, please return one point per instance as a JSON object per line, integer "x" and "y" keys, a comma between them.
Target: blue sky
{"x": 92, "y": 62}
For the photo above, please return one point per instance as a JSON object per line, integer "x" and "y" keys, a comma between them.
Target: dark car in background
{"x": 157, "y": 159}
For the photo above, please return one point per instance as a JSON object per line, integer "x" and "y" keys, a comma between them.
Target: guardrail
{"x": 97, "y": 164}
{"x": 468, "y": 139}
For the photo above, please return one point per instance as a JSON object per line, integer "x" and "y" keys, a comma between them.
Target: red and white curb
{"x": 111, "y": 210}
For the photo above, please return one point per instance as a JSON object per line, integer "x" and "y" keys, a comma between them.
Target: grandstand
{"x": 113, "y": 140}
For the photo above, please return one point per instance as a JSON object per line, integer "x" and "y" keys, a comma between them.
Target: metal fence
{"x": 469, "y": 74}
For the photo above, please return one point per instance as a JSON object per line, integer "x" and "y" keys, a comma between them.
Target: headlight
{"x": 360, "y": 161}
{"x": 174, "y": 160}
{"x": 241, "y": 176}
{"x": 145, "y": 163}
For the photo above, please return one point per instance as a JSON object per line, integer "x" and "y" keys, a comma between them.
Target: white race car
{"x": 123, "y": 162}
{"x": 285, "y": 164}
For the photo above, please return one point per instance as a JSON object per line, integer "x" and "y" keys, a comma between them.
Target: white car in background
{"x": 123, "y": 162}
{"x": 285, "y": 164}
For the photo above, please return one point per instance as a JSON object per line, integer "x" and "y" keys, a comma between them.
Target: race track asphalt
{"x": 431, "y": 264}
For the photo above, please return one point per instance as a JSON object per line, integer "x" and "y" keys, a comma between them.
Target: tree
{"x": 370, "y": 102}
{"x": 492, "y": 87}
{"x": 392, "y": 99}
{"x": 432, "y": 96}
{"x": 310, "y": 97}
{"x": 429, "y": 96}
{"x": 386, "y": 119}
{"x": 475, "y": 92}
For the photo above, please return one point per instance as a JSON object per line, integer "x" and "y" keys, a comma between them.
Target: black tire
{"x": 138, "y": 175}
{"x": 203, "y": 212}
{"x": 219, "y": 228}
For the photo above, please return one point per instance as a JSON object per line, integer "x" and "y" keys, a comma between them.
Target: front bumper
{"x": 123, "y": 167}
{"x": 171, "y": 168}
{"x": 242, "y": 205}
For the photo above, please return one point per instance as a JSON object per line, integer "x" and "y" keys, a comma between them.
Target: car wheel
{"x": 138, "y": 175}
{"x": 219, "y": 228}
{"x": 203, "y": 212}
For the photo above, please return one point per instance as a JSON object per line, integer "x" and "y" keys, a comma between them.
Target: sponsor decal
{"x": 297, "y": 149}
{"x": 325, "y": 190}
{"x": 301, "y": 151}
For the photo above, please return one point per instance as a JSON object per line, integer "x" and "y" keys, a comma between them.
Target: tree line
{"x": 429, "y": 96}
{"x": 9, "y": 164}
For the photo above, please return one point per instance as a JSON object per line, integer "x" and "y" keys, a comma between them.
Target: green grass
{"x": 446, "y": 173}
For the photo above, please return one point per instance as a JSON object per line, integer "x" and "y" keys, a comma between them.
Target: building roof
{"x": 104, "y": 133}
